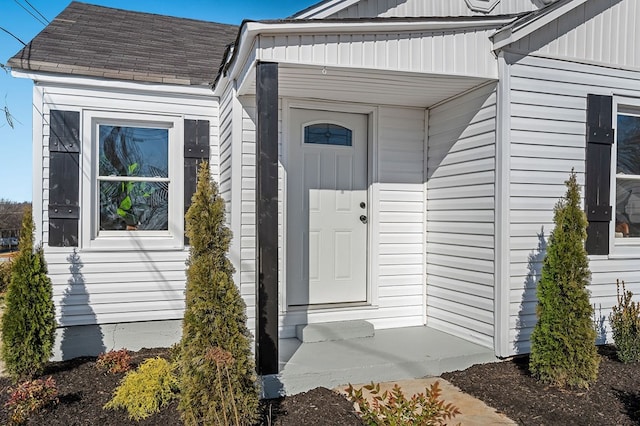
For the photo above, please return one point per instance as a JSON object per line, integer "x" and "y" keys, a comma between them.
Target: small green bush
{"x": 625, "y": 324}
{"x": 563, "y": 350}
{"x": 392, "y": 408}
{"x": 215, "y": 322}
{"x": 28, "y": 397}
{"x": 146, "y": 390}
{"x": 28, "y": 323}
{"x": 114, "y": 361}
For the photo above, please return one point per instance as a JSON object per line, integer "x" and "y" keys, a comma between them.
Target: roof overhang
{"x": 236, "y": 58}
{"x": 532, "y": 22}
{"x": 107, "y": 83}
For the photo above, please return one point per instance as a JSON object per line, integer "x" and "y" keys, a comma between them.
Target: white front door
{"x": 327, "y": 208}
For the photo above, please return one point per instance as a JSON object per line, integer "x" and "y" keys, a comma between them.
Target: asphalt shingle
{"x": 98, "y": 41}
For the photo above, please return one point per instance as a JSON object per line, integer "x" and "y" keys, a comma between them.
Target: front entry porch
{"x": 391, "y": 354}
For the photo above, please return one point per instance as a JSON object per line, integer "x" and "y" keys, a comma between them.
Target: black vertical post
{"x": 267, "y": 217}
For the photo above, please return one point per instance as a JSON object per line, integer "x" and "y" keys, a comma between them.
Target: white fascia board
{"x": 76, "y": 80}
{"x": 511, "y": 34}
{"x": 325, "y": 9}
{"x": 251, "y": 30}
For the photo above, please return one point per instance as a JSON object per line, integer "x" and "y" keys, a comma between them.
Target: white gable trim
{"x": 532, "y": 23}
{"x": 324, "y": 9}
{"x": 236, "y": 59}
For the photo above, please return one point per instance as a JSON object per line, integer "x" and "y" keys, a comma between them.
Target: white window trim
{"x": 90, "y": 239}
{"x": 620, "y": 247}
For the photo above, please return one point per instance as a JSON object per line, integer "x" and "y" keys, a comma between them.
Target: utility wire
{"x": 13, "y": 35}
{"x": 29, "y": 12}
{"x": 37, "y": 11}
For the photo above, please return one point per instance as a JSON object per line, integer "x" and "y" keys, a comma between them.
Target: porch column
{"x": 267, "y": 218}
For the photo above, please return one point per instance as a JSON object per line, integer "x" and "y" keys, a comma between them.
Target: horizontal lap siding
{"x": 111, "y": 286}
{"x": 421, "y": 8}
{"x": 460, "y": 215}
{"x": 548, "y": 140}
{"x": 400, "y": 232}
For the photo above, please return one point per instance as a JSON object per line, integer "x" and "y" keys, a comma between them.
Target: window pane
{"x": 628, "y": 141}
{"x": 133, "y": 151}
{"x": 134, "y": 205}
{"x": 328, "y": 134}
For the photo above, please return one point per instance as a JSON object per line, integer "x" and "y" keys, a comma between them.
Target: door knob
{"x": 363, "y": 219}
{"x": 362, "y": 205}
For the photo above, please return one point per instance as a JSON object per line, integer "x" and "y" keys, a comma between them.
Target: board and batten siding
{"x": 113, "y": 286}
{"x": 603, "y": 32}
{"x": 548, "y": 114}
{"x": 462, "y": 52}
{"x": 460, "y": 215}
{"x": 422, "y": 8}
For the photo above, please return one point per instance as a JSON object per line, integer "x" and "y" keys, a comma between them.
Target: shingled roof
{"x": 98, "y": 41}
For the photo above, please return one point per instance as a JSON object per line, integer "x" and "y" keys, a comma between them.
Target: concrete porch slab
{"x": 390, "y": 355}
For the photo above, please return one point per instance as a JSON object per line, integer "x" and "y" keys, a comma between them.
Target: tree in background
{"x": 28, "y": 323}
{"x": 216, "y": 370}
{"x": 563, "y": 350}
{"x": 11, "y": 213}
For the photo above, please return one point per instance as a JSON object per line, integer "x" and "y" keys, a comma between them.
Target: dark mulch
{"x": 508, "y": 387}
{"x": 83, "y": 391}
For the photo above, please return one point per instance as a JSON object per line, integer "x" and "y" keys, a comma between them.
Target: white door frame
{"x": 372, "y": 196}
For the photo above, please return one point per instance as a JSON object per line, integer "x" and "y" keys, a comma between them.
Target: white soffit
{"x": 367, "y": 86}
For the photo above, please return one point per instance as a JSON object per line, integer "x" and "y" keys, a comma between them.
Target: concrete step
{"x": 333, "y": 331}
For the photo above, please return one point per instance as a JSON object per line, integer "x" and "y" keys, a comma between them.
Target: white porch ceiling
{"x": 366, "y": 86}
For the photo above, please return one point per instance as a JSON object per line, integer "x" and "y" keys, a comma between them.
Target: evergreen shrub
{"x": 563, "y": 351}
{"x": 625, "y": 324}
{"x": 146, "y": 390}
{"x": 5, "y": 274}
{"x": 28, "y": 322}
{"x": 214, "y": 322}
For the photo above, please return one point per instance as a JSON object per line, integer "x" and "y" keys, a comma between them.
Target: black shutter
{"x": 64, "y": 178}
{"x": 600, "y": 137}
{"x": 196, "y": 150}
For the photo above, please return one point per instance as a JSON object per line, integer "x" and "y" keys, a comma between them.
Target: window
{"x": 133, "y": 178}
{"x": 132, "y": 195}
{"x": 327, "y": 134}
{"x": 627, "y": 175}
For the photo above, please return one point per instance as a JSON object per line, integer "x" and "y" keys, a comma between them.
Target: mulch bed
{"x": 83, "y": 391}
{"x": 506, "y": 386}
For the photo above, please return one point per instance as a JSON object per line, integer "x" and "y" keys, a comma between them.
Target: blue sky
{"x": 16, "y": 93}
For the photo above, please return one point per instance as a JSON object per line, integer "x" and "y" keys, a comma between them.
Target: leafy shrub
{"x": 146, "y": 390}
{"x": 394, "y": 409}
{"x": 114, "y": 361}
{"x": 5, "y": 274}
{"x": 28, "y": 324}
{"x": 28, "y": 397}
{"x": 215, "y": 317}
{"x": 625, "y": 324}
{"x": 563, "y": 350}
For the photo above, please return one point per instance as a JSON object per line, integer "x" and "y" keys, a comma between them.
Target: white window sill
{"x": 135, "y": 242}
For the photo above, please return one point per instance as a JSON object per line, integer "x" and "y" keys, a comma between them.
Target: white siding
{"x": 460, "y": 215}
{"x": 604, "y": 32}
{"x": 422, "y": 8}
{"x": 226, "y": 147}
{"x": 109, "y": 286}
{"x": 548, "y": 140}
{"x": 464, "y": 52}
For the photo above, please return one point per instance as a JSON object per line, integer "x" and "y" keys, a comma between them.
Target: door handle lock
{"x": 363, "y": 218}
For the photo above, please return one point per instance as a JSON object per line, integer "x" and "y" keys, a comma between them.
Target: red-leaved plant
{"x": 114, "y": 361}
{"x": 393, "y": 408}
{"x": 28, "y": 397}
